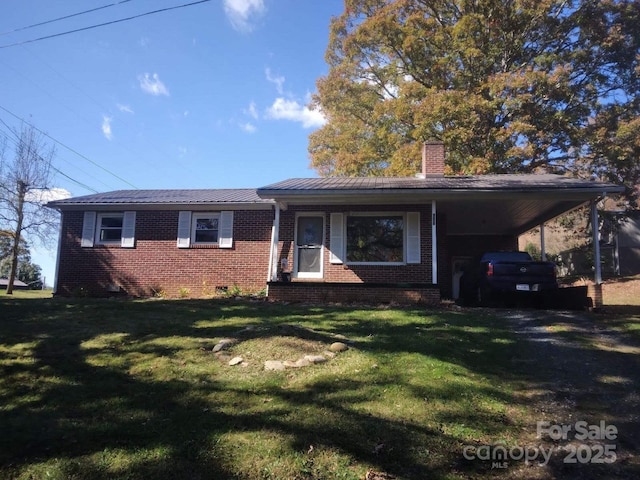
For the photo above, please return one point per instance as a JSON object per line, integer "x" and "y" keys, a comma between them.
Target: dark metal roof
{"x": 471, "y": 205}
{"x": 165, "y": 197}
{"x": 518, "y": 182}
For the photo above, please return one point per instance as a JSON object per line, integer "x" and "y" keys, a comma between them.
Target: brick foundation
{"x": 325, "y": 292}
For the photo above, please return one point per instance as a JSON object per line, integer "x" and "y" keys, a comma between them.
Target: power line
{"x": 63, "y": 18}
{"x": 83, "y": 185}
{"x": 69, "y": 148}
{"x": 74, "y": 180}
{"x": 104, "y": 24}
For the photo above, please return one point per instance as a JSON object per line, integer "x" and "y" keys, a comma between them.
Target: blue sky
{"x": 212, "y": 95}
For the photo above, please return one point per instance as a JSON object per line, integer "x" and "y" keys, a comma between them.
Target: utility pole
{"x": 22, "y": 190}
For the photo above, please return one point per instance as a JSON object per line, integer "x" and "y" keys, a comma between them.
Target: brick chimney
{"x": 432, "y": 159}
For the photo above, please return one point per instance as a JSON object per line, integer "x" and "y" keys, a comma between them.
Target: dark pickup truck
{"x": 504, "y": 276}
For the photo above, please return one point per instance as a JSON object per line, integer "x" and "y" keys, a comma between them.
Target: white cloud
{"x": 252, "y": 111}
{"x": 152, "y": 84}
{"x": 248, "y": 127}
{"x": 124, "y": 108}
{"x": 242, "y": 13}
{"x": 44, "y": 195}
{"x": 106, "y": 127}
{"x": 278, "y": 81}
{"x": 283, "y": 109}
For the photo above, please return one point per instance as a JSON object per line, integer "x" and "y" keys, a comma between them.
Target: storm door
{"x": 309, "y": 246}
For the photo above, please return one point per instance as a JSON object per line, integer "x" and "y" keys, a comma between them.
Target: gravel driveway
{"x": 583, "y": 377}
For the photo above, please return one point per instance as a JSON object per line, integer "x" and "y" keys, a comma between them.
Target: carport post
{"x": 543, "y": 250}
{"x": 434, "y": 244}
{"x": 273, "y": 254}
{"x": 595, "y": 223}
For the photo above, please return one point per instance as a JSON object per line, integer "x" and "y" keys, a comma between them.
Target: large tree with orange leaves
{"x": 508, "y": 85}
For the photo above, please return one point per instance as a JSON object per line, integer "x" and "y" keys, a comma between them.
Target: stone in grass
{"x": 223, "y": 356}
{"x": 338, "y": 347}
{"x": 315, "y": 358}
{"x": 223, "y": 344}
{"x": 302, "y": 362}
{"x": 274, "y": 365}
{"x": 235, "y": 361}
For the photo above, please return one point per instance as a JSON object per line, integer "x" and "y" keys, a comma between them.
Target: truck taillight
{"x": 489, "y": 269}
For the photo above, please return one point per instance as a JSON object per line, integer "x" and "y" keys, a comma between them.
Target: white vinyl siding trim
{"x": 413, "y": 237}
{"x": 184, "y": 229}
{"x": 88, "y": 229}
{"x": 225, "y": 230}
{"x": 336, "y": 238}
{"x": 128, "y": 239}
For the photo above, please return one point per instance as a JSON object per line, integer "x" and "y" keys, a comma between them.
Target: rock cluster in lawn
{"x": 276, "y": 365}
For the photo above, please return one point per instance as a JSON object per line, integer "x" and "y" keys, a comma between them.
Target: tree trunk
{"x": 22, "y": 188}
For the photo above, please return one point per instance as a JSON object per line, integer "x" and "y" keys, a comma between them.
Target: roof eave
{"x": 103, "y": 206}
{"x": 386, "y": 195}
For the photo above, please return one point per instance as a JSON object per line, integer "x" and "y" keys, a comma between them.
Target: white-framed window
{"x": 379, "y": 238}
{"x": 375, "y": 238}
{"x": 108, "y": 228}
{"x": 205, "y": 228}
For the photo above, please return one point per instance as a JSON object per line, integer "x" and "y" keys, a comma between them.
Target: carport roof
{"x": 435, "y": 185}
{"x": 480, "y": 205}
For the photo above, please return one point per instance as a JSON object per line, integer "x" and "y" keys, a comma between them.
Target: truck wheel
{"x": 484, "y": 297}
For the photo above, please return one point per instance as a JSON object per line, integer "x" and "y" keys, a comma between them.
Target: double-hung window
{"x": 109, "y": 228}
{"x": 205, "y": 228}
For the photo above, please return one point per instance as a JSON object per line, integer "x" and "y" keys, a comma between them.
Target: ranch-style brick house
{"x": 382, "y": 239}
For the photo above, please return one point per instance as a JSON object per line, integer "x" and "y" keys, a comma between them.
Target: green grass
{"x": 47, "y": 293}
{"x": 131, "y": 389}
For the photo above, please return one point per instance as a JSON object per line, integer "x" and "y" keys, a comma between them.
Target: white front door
{"x": 309, "y": 245}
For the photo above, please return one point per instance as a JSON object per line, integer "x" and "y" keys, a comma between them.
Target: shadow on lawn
{"x": 60, "y": 404}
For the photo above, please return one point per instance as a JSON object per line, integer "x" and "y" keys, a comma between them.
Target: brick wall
{"x": 433, "y": 153}
{"x": 344, "y": 273}
{"x": 156, "y": 263}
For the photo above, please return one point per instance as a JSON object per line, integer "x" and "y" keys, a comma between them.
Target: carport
{"x": 489, "y": 212}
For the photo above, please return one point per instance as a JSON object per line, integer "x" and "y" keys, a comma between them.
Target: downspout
{"x": 58, "y": 254}
{"x": 434, "y": 245}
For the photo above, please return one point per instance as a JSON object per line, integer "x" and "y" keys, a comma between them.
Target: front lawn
{"x": 132, "y": 389}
